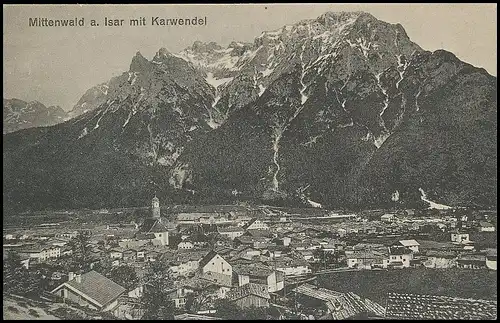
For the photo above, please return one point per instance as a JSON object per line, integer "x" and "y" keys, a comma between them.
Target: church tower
{"x": 155, "y": 204}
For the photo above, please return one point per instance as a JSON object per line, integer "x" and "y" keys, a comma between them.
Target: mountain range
{"x": 18, "y": 114}
{"x": 339, "y": 111}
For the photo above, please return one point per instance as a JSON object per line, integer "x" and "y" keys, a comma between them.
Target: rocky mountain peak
{"x": 201, "y": 47}
{"x": 161, "y": 54}
{"x": 18, "y": 114}
{"x": 139, "y": 63}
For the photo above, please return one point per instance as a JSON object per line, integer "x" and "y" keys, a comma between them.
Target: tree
{"x": 125, "y": 276}
{"x": 16, "y": 278}
{"x": 227, "y": 310}
{"x": 196, "y": 301}
{"x": 213, "y": 238}
{"x": 80, "y": 245}
{"x": 156, "y": 300}
{"x": 230, "y": 311}
{"x": 256, "y": 313}
{"x": 104, "y": 266}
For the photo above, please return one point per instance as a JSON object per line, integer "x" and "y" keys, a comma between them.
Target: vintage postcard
{"x": 250, "y": 161}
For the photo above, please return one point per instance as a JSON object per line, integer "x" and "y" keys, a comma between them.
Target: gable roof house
{"x": 410, "y": 244}
{"x": 255, "y": 224}
{"x": 231, "y": 232}
{"x": 259, "y": 233}
{"x": 335, "y": 305}
{"x": 153, "y": 229}
{"x": 215, "y": 263}
{"x": 258, "y": 274}
{"x": 92, "y": 290}
{"x": 249, "y": 295}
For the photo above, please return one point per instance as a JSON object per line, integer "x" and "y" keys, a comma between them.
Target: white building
{"x": 213, "y": 262}
{"x": 185, "y": 245}
{"x": 460, "y": 237}
{"x": 43, "y": 253}
{"x": 410, "y": 244}
{"x": 491, "y": 259}
{"x": 388, "y": 217}
{"x": 256, "y": 224}
{"x": 400, "y": 257}
{"x": 231, "y": 232}
{"x": 260, "y": 275}
{"x": 153, "y": 228}
{"x": 486, "y": 227}
{"x": 293, "y": 267}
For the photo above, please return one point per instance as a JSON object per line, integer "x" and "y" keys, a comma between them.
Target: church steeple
{"x": 155, "y": 205}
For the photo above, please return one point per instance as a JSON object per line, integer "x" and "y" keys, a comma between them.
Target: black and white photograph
{"x": 250, "y": 161}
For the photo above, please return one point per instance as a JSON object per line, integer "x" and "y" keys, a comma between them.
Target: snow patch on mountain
{"x": 395, "y": 196}
{"x": 433, "y": 205}
{"x": 381, "y": 139}
{"x": 216, "y": 82}
{"x": 261, "y": 89}
{"x": 277, "y": 133}
{"x": 314, "y": 204}
{"x": 83, "y": 133}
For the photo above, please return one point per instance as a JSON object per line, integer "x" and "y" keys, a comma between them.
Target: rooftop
{"x": 97, "y": 287}
{"x": 248, "y": 289}
{"x": 409, "y": 243}
{"x": 151, "y": 225}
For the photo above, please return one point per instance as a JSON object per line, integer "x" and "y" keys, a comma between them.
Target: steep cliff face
{"x": 90, "y": 100}
{"x": 18, "y": 114}
{"x": 120, "y": 151}
{"x": 342, "y": 110}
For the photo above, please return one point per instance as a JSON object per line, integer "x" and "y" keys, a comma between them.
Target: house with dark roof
{"x": 255, "y": 224}
{"x": 258, "y": 274}
{"x": 91, "y": 290}
{"x": 199, "y": 240}
{"x": 231, "y": 232}
{"x": 217, "y": 285}
{"x": 440, "y": 259}
{"x": 186, "y": 263}
{"x": 185, "y": 245}
{"x": 290, "y": 266}
{"x": 213, "y": 262}
{"x": 400, "y": 257}
{"x": 249, "y": 295}
{"x": 334, "y": 305}
{"x": 153, "y": 229}
{"x": 259, "y": 233}
{"x": 472, "y": 260}
{"x": 41, "y": 252}
{"x": 411, "y": 244}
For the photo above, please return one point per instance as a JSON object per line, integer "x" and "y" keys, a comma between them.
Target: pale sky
{"x": 56, "y": 65}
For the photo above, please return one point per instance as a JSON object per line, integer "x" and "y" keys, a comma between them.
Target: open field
{"x": 466, "y": 283}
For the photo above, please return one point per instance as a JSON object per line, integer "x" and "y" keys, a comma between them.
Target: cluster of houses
{"x": 459, "y": 252}
{"x": 247, "y": 259}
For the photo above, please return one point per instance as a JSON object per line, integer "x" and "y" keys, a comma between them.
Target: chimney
{"x": 71, "y": 276}
{"x": 78, "y": 278}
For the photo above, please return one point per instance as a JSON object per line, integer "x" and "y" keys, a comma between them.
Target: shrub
{"x": 33, "y": 312}
{"x": 13, "y": 309}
